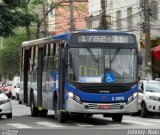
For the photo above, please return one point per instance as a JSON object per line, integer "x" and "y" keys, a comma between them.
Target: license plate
{"x": 104, "y": 106}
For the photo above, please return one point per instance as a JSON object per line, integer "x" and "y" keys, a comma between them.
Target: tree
{"x": 28, "y": 14}
{"x": 10, "y": 54}
{"x": 55, "y": 4}
{"x": 9, "y": 17}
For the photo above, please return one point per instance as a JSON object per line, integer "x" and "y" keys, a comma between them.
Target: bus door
{"x": 39, "y": 78}
{"x": 25, "y": 74}
{"x": 61, "y": 76}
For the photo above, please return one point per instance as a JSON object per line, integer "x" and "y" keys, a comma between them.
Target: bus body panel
{"x": 51, "y": 84}
{"x": 90, "y": 107}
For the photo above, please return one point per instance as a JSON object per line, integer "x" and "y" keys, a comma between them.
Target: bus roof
{"x": 66, "y": 36}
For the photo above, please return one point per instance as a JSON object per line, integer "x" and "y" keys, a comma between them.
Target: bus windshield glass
{"x": 101, "y": 65}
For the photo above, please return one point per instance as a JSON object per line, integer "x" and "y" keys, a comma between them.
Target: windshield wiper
{"x": 89, "y": 50}
{"x": 115, "y": 55}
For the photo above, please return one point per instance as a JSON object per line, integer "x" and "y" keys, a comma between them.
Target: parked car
{"x": 15, "y": 91}
{"x": 5, "y": 105}
{"x": 149, "y": 97}
{"x": 20, "y": 100}
{"x": 15, "y": 87}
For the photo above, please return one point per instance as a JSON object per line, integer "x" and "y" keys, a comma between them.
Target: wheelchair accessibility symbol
{"x": 109, "y": 78}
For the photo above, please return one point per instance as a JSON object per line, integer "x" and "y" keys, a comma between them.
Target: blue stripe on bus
{"x": 91, "y": 97}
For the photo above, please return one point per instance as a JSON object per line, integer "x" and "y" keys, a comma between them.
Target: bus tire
{"x": 34, "y": 110}
{"x": 44, "y": 113}
{"x": 62, "y": 117}
{"x": 9, "y": 116}
{"x": 117, "y": 117}
{"x": 59, "y": 115}
{"x": 144, "y": 111}
{"x": 89, "y": 115}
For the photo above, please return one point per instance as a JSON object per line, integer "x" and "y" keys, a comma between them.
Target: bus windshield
{"x": 94, "y": 65}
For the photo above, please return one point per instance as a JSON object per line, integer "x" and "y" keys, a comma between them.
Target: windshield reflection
{"x": 92, "y": 65}
{"x": 153, "y": 87}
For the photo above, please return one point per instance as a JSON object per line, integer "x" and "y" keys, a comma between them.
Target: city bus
{"x": 81, "y": 73}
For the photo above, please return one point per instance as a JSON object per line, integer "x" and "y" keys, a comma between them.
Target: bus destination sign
{"x": 105, "y": 39}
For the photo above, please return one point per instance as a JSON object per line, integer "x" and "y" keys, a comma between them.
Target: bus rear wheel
{"x": 117, "y": 117}
{"x": 34, "y": 110}
{"x": 44, "y": 113}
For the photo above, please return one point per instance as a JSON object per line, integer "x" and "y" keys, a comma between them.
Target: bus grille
{"x": 107, "y": 90}
{"x": 113, "y": 106}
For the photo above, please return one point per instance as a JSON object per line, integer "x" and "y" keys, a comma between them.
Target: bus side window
{"x": 56, "y": 55}
{"x": 31, "y": 58}
{"x": 50, "y": 57}
{"x": 45, "y": 59}
{"x": 35, "y": 64}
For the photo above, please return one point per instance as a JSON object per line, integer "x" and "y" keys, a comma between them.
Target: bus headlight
{"x": 70, "y": 94}
{"x": 74, "y": 97}
{"x": 132, "y": 97}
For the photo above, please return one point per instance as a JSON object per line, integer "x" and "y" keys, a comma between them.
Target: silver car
{"x": 5, "y": 105}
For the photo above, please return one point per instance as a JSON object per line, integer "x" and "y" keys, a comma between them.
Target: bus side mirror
{"x": 140, "y": 59}
{"x": 140, "y": 90}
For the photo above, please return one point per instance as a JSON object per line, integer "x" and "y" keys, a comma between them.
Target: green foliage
{"x": 27, "y": 19}
{"x": 37, "y": 2}
{"x": 12, "y": 3}
{"x": 10, "y": 55}
{"x": 7, "y": 22}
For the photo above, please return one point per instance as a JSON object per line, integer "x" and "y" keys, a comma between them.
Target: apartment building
{"x": 128, "y": 16}
{"x": 59, "y": 17}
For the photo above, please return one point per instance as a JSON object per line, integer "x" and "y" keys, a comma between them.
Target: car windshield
{"x": 101, "y": 65}
{"x": 153, "y": 86}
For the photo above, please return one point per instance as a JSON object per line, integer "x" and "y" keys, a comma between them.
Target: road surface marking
{"x": 158, "y": 121}
{"x": 48, "y": 124}
{"x": 19, "y": 125}
{"x": 17, "y": 115}
{"x": 117, "y": 125}
{"x": 84, "y": 125}
{"x": 138, "y": 122}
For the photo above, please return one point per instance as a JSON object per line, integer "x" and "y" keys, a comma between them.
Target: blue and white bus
{"x": 82, "y": 72}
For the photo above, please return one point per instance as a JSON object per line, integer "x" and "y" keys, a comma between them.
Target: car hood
{"x": 3, "y": 96}
{"x": 153, "y": 94}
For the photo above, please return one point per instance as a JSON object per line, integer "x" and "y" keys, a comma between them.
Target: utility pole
{"x": 103, "y": 21}
{"x": 72, "y": 24}
{"x": 147, "y": 41}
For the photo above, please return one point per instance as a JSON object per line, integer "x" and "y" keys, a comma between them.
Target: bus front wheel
{"x": 144, "y": 111}
{"x": 62, "y": 117}
{"x": 117, "y": 117}
{"x": 59, "y": 115}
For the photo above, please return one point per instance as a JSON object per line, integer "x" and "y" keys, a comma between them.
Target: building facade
{"x": 128, "y": 16}
{"x": 59, "y": 17}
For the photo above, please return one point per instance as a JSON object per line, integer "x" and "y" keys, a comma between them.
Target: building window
{"x": 129, "y": 18}
{"x": 118, "y": 18}
{"x": 154, "y": 10}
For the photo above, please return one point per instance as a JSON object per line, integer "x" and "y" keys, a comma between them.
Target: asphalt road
{"x": 23, "y": 123}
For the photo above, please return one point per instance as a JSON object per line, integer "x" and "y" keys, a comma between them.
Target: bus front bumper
{"x": 101, "y": 108}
